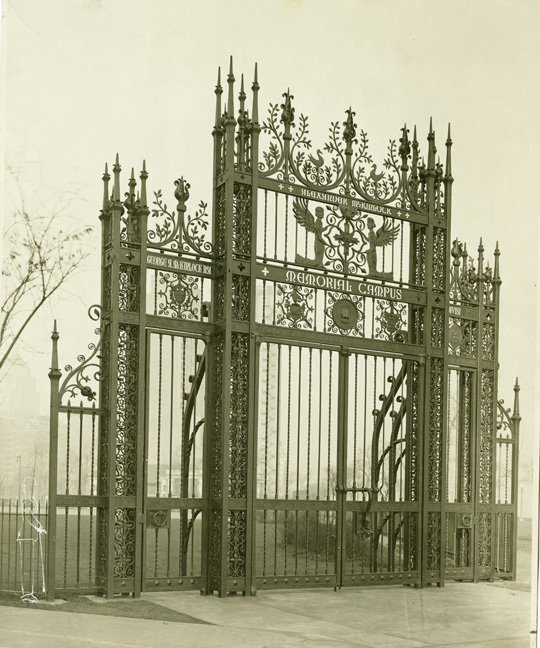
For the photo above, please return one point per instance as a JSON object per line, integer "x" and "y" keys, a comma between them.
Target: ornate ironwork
{"x": 238, "y": 431}
{"x": 293, "y": 306}
{"x": 129, "y": 288}
{"x": 350, "y": 166}
{"x": 127, "y": 409}
{"x": 392, "y": 320}
{"x": 124, "y": 542}
{"x": 462, "y": 337}
{"x": 241, "y": 222}
{"x": 240, "y": 298}
{"x": 78, "y": 378}
{"x": 179, "y": 295}
{"x": 177, "y": 232}
{"x": 351, "y": 257}
{"x": 345, "y": 315}
{"x": 236, "y": 544}
{"x": 435, "y": 431}
{"x": 485, "y": 462}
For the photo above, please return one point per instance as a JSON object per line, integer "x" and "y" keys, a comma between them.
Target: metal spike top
{"x": 515, "y": 414}
{"x": 255, "y": 90}
{"x": 55, "y": 372}
{"x": 143, "y": 177}
{"x": 106, "y": 178}
{"x": 431, "y": 147}
{"x": 496, "y": 275}
{"x": 218, "y": 91}
{"x": 230, "y": 100}
{"x": 480, "y": 257}
{"x": 242, "y": 100}
{"x": 448, "y": 175}
{"x": 116, "y": 187}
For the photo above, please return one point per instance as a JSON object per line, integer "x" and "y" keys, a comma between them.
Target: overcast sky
{"x": 85, "y": 79}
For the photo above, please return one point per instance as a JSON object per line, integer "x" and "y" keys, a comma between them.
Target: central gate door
{"x": 336, "y": 468}
{"x": 173, "y": 503}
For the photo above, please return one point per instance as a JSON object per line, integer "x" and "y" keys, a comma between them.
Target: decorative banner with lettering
{"x": 347, "y": 286}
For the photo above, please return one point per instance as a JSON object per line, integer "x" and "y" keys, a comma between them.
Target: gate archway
{"x": 302, "y": 392}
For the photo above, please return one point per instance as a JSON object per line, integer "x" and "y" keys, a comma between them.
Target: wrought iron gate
{"x": 336, "y": 495}
{"x": 310, "y": 398}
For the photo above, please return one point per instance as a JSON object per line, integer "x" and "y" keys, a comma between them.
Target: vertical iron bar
{"x": 54, "y": 377}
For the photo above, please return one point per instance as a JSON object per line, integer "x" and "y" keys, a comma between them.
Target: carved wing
{"x": 386, "y": 234}
{"x": 303, "y": 215}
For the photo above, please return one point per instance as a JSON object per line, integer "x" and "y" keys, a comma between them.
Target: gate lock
{"x": 158, "y": 519}
{"x": 464, "y": 521}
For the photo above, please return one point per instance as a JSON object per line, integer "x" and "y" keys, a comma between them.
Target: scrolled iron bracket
{"x": 77, "y": 378}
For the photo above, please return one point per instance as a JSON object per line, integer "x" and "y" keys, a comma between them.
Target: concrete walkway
{"x": 460, "y": 614}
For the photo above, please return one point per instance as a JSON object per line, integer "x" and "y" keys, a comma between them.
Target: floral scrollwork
{"x": 179, "y": 232}
{"x": 178, "y": 295}
{"x": 392, "y": 321}
{"x": 294, "y": 308}
{"x": 78, "y": 378}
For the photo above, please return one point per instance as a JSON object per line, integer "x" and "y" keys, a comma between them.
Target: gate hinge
{"x": 140, "y": 518}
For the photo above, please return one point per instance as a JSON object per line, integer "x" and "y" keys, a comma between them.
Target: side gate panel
{"x": 174, "y": 453}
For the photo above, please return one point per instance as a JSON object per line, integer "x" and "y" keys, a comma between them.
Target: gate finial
{"x": 414, "y": 164}
{"x": 218, "y": 91}
{"x": 106, "y": 178}
{"x": 480, "y": 258}
{"x": 116, "y": 186}
{"x": 431, "y": 147}
{"x": 515, "y": 414}
{"x": 54, "y": 373}
{"x": 448, "y": 175}
{"x": 143, "y": 177}
{"x": 255, "y": 90}
{"x": 230, "y": 100}
{"x": 496, "y": 275}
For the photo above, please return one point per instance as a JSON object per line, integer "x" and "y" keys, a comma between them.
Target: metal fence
{"x": 22, "y": 550}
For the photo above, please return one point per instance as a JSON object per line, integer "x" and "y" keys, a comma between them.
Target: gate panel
{"x": 296, "y": 504}
{"x": 176, "y": 368}
{"x": 380, "y": 540}
{"x": 460, "y": 528}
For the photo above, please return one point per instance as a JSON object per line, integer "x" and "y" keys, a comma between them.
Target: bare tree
{"x": 39, "y": 258}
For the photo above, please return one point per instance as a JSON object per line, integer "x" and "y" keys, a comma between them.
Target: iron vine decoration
{"x": 350, "y": 169}
{"x": 174, "y": 230}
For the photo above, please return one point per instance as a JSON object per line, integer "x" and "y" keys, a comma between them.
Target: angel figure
{"x": 383, "y": 236}
{"x": 30, "y": 524}
{"x": 314, "y": 225}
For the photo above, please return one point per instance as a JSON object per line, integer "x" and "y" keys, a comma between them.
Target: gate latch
{"x": 158, "y": 518}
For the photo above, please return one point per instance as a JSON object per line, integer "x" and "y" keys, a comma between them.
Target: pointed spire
{"x": 431, "y": 147}
{"x": 116, "y": 187}
{"x": 480, "y": 257}
{"x": 515, "y": 414}
{"x": 106, "y": 178}
{"x": 414, "y": 163}
{"x": 255, "y": 90}
{"x": 218, "y": 91}
{"x": 496, "y": 275}
{"x": 242, "y": 100}
{"x": 448, "y": 171}
{"x": 230, "y": 81}
{"x": 54, "y": 373}
{"x": 143, "y": 177}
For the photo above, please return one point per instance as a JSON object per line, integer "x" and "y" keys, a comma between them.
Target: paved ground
{"x": 460, "y": 614}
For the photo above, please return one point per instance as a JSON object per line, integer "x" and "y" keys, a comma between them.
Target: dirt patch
{"x": 131, "y": 608}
